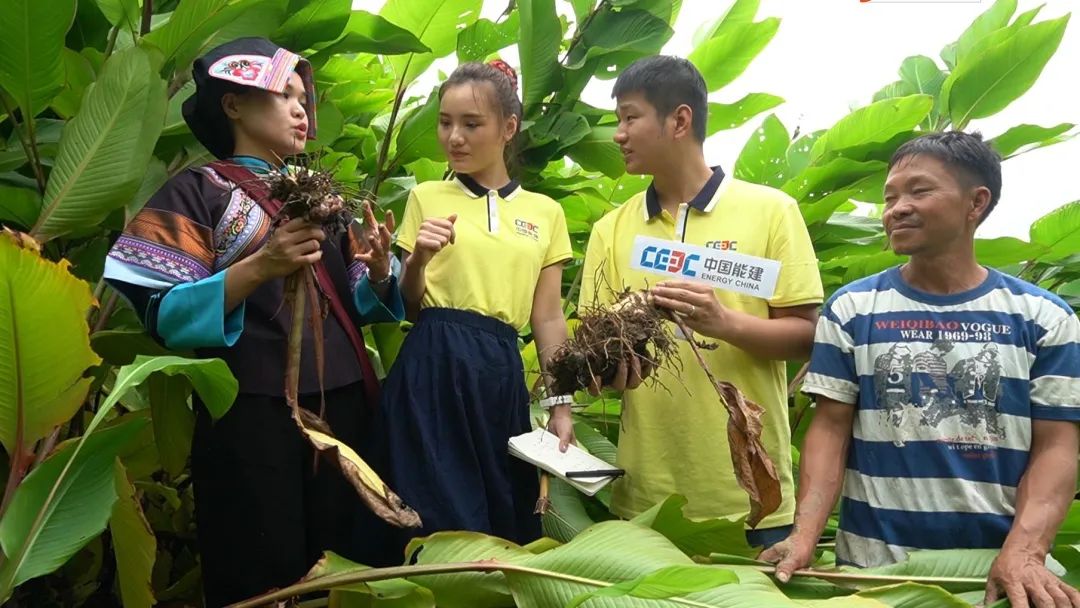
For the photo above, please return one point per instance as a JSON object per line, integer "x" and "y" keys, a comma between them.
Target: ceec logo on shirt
{"x": 670, "y": 260}
{"x": 722, "y": 245}
{"x": 528, "y": 229}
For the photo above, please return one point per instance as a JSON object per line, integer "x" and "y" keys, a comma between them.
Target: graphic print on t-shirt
{"x": 950, "y": 386}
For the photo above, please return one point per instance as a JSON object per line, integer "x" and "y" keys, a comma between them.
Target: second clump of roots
{"x": 606, "y": 337}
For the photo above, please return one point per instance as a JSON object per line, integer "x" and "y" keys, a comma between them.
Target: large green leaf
{"x": 331, "y": 124}
{"x": 318, "y": 21}
{"x": 88, "y": 460}
{"x": 211, "y": 379}
{"x": 616, "y": 551}
{"x": 967, "y": 566}
{"x": 913, "y": 595}
{"x": 79, "y": 74}
{"x": 670, "y": 581}
{"x": 816, "y": 209}
{"x": 435, "y": 23}
{"x": 1025, "y": 138}
{"x": 697, "y": 537}
{"x": 192, "y": 24}
{"x": 133, "y": 542}
{"x": 594, "y": 442}
{"x": 995, "y": 18}
{"x": 465, "y": 590}
{"x": 106, "y": 148}
{"x": 368, "y": 33}
{"x": 876, "y": 123}
{"x": 567, "y": 517}
{"x": 922, "y": 75}
{"x": 44, "y": 347}
{"x": 726, "y": 55}
{"x": 485, "y": 37}
{"x": 394, "y": 593}
{"x": 419, "y": 137}
{"x": 1059, "y": 231}
{"x": 762, "y": 159}
{"x": 723, "y": 116}
{"x": 124, "y": 14}
{"x": 993, "y": 79}
{"x": 174, "y": 422}
{"x": 582, "y": 9}
{"x": 1005, "y": 251}
{"x": 61, "y": 506}
{"x": 740, "y": 12}
{"x": 598, "y": 152}
{"x": 627, "y": 34}
{"x": 798, "y": 153}
{"x": 830, "y": 177}
{"x": 19, "y": 205}
{"x": 538, "y": 47}
{"x": 31, "y": 62}
{"x": 259, "y": 20}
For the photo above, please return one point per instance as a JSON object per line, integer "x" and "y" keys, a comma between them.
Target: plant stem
{"x": 858, "y": 577}
{"x": 384, "y": 150}
{"x": 46, "y": 446}
{"x": 574, "y": 287}
{"x": 381, "y": 574}
{"x": 111, "y": 44}
{"x": 106, "y": 312}
{"x": 147, "y": 14}
{"x": 28, "y": 143}
{"x": 20, "y": 461}
{"x": 799, "y": 377}
{"x": 580, "y": 31}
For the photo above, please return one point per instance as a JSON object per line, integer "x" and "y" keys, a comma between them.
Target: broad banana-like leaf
{"x": 106, "y": 147}
{"x": 44, "y": 344}
{"x": 1025, "y": 138}
{"x": 876, "y": 123}
{"x": 60, "y": 506}
{"x": 723, "y": 116}
{"x": 133, "y": 543}
{"x": 38, "y": 543}
{"x": 1059, "y": 230}
{"x": 435, "y": 23}
{"x": 541, "y": 35}
{"x": 31, "y": 57}
{"x": 989, "y": 82}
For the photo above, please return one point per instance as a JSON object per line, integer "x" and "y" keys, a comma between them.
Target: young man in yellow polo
{"x": 673, "y": 442}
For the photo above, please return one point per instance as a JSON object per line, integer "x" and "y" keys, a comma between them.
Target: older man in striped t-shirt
{"x": 947, "y": 393}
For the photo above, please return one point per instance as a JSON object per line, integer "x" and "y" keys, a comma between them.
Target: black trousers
{"x": 264, "y": 515}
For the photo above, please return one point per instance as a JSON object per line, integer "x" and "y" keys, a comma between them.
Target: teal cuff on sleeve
{"x": 192, "y": 315}
{"x": 390, "y": 309}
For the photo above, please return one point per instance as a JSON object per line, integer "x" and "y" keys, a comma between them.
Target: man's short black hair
{"x": 667, "y": 83}
{"x": 973, "y": 160}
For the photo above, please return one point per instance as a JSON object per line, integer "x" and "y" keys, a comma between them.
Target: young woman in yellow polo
{"x": 734, "y": 259}
{"x": 484, "y": 260}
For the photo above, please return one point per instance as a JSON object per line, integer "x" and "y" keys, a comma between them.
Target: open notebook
{"x": 541, "y": 448}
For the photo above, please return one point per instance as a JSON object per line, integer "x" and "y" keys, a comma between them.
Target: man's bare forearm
{"x": 1047, "y": 488}
{"x": 821, "y": 468}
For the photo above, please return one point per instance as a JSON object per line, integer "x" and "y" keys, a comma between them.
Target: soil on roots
{"x": 606, "y": 337}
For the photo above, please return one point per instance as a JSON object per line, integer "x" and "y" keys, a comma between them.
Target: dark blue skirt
{"x": 451, "y": 401}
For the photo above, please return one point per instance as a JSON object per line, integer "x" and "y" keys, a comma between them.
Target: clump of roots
{"x": 315, "y": 196}
{"x": 606, "y": 338}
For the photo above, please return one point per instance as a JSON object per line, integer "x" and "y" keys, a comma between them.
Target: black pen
{"x": 596, "y": 473}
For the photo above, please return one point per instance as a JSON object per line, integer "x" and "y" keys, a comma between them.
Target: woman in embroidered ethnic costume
{"x": 204, "y": 268}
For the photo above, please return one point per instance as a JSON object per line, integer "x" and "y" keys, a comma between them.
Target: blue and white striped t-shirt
{"x": 945, "y": 388}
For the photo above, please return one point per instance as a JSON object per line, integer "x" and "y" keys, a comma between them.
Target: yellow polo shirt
{"x": 676, "y": 442}
{"x": 503, "y": 239}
